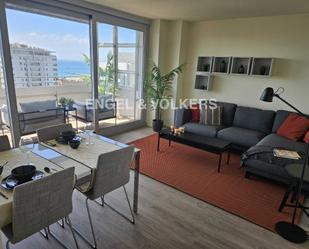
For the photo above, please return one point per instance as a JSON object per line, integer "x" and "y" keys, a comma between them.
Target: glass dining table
{"x": 57, "y": 157}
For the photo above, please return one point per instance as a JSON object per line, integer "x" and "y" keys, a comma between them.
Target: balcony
{"x": 77, "y": 92}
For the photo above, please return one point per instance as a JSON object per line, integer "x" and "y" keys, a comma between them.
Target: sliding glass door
{"x": 51, "y": 66}
{"x": 120, "y": 68}
{"x": 73, "y": 58}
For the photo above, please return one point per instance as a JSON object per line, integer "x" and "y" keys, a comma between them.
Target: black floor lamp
{"x": 289, "y": 230}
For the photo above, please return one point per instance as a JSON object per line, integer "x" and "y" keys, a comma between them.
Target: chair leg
{"x": 102, "y": 201}
{"x": 72, "y": 231}
{"x": 94, "y": 245}
{"x": 7, "y": 245}
{"x": 59, "y": 241}
{"x": 132, "y": 219}
{"x": 45, "y": 233}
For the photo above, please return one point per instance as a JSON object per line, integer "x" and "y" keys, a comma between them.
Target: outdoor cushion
{"x": 274, "y": 140}
{"x": 294, "y": 127}
{"x": 38, "y": 105}
{"x": 203, "y": 130}
{"x": 104, "y": 100}
{"x": 254, "y": 119}
{"x": 241, "y": 136}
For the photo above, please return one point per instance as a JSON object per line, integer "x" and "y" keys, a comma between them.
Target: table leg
{"x": 158, "y": 144}
{"x": 228, "y": 157}
{"x": 136, "y": 180}
{"x": 219, "y": 164}
{"x": 169, "y": 141}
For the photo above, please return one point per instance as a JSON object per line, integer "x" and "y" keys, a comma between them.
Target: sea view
{"x": 68, "y": 68}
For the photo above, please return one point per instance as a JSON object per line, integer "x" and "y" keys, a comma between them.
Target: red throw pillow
{"x": 294, "y": 127}
{"x": 195, "y": 113}
{"x": 306, "y": 138}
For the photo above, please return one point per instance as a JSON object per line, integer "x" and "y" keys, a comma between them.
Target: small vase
{"x": 222, "y": 66}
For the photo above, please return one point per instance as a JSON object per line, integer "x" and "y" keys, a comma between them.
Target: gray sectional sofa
{"x": 245, "y": 127}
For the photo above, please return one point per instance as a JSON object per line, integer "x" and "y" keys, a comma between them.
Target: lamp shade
{"x": 267, "y": 95}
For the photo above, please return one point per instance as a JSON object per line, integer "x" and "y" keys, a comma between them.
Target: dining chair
{"x": 4, "y": 143}
{"x": 52, "y": 132}
{"x": 39, "y": 204}
{"x": 112, "y": 172}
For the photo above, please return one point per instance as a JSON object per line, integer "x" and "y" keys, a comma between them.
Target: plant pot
{"x": 157, "y": 125}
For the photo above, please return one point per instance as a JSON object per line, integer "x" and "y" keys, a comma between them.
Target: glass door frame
{"x": 90, "y": 13}
{"x": 143, "y": 66}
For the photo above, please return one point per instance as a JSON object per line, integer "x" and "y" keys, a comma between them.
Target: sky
{"x": 68, "y": 39}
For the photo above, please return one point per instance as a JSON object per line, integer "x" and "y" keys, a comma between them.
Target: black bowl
{"x": 68, "y": 135}
{"x": 74, "y": 143}
{"x": 24, "y": 173}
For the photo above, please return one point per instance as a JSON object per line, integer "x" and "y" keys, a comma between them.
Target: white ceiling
{"x": 197, "y": 10}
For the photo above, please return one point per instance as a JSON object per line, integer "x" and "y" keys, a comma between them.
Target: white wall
{"x": 284, "y": 37}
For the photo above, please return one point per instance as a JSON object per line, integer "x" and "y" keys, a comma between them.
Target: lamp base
{"x": 291, "y": 232}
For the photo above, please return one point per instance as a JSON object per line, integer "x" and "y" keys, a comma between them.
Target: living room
{"x": 200, "y": 107}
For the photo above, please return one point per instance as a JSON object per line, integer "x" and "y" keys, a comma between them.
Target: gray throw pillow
{"x": 211, "y": 116}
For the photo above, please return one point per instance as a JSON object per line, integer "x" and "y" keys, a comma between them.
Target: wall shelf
{"x": 203, "y": 82}
{"x": 209, "y": 66}
{"x": 204, "y": 64}
{"x": 262, "y": 67}
{"x": 221, "y": 65}
{"x": 240, "y": 65}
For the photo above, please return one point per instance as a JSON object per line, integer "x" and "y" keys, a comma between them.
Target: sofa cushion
{"x": 213, "y": 116}
{"x": 203, "y": 130}
{"x": 241, "y": 136}
{"x": 306, "y": 138}
{"x": 294, "y": 127}
{"x": 195, "y": 113}
{"x": 38, "y": 105}
{"x": 228, "y": 113}
{"x": 274, "y": 140}
{"x": 280, "y": 116}
{"x": 254, "y": 119}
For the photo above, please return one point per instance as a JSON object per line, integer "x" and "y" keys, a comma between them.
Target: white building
{"x": 33, "y": 66}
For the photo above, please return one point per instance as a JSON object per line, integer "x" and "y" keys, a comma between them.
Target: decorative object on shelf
{"x": 262, "y": 66}
{"x": 223, "y": 66}
{"x": 157, "y": 88}
{"x": 207, "y": 67}
{"x": 264, "y": 70}
{"x": 241, "y": 69}
{"x": 289, "y": 230}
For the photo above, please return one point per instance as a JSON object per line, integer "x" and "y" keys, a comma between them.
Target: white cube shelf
{"x": 221, "y": 65}
{"x": 203, "y": 82}
{"x": 240, "y": 65}
{"x": 262, "y": 67}
{"x": 204, "y": 64}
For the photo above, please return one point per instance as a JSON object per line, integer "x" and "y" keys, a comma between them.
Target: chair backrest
{"x": 52, "y": 132}
{"x": 40, "y": 203}
{"x": 112, "y": 172}
{"x": 4, "y": 143}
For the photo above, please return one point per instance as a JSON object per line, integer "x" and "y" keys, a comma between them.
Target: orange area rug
{"x": 194, "y": 172}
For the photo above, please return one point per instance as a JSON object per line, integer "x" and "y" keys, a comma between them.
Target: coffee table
{"x": 213, "y": 145}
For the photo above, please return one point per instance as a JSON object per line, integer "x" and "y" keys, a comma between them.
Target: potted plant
{"x": 158, "y": 92}
{"x": 70, "y": 102}
{"x": 62, "y": 101}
